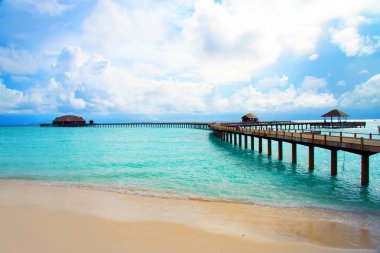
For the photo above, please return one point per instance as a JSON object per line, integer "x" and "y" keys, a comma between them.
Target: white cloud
{"x": 312, "y": 83}
{"x": 70, "y": 58}
{"x": 172, "y": 56}
{"x": 352, "y": 43}
{"x": 313, "y": 57}
{"x": 218, "y": 43}
{"x": 17, "y": 61}
{"x": 49, "y": 7}
{"x": 341, "y": 83}
{"x": 9, "y": 99}
{"x": 364, "y": 95}
{"x": 273, "y": 81}
{"x": 289, "y": 99}
{"x": 363, "y": 71}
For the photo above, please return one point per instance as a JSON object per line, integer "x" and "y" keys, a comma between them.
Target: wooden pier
{"x": 196, "y": 125}
{"x": 358, "y": 145}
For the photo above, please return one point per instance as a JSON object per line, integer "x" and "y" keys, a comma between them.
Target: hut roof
{"x": 335, "y": 113}
{"x": 251, "y": 116}
{"x": 68, "y": 118}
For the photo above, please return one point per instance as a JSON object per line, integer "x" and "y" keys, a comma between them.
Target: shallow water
{"x": 184, "y": 162}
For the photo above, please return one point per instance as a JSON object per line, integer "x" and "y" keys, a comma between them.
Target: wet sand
{"x": 36, "y": 217}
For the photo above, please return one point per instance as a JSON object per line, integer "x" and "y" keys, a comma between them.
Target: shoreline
{"x": 298, "y": 229}
{"x": 180, "y": 196}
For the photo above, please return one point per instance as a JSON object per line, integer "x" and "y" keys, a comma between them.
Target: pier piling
{"x": 365, "y": 170}
{"x": 260, "y": 145}
{"x": 311, "y": 157}
{"x": 334, "y": 162}
{"x": 280, "y": 150}
{"x": 294, "y": 152}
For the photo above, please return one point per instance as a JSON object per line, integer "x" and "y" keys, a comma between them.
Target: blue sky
{"x": 190, "y": 60}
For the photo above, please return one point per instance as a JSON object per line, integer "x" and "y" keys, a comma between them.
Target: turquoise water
{"x": 183, "y": 162}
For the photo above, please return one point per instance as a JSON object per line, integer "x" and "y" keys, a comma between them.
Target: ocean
{"x": 186, "y": 163}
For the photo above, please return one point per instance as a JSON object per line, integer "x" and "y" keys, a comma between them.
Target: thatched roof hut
{"x": 69, "y": 120}
{"x": 250, "y": 117}
{"x": 335, "y": 113}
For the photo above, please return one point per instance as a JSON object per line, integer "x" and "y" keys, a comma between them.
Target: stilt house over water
{"x": 250, "y": 118}
{"x": 69, "y": 121}
{"x": 335, "y": 113}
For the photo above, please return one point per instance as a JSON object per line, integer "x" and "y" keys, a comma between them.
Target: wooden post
{"x": 311, "y": 157}
{"x": 239, "y": 140}
{"x": 260, "y": 145}
{"x": 334, "y": 162}
{"x": 252, "y": 143}
{"x": 235, "y": 139}
{"x": 280, "y": 150}
{"x": 269, "y": 147}
{"x": 245, "y": 141}
{"x": 294, "y": 152}
{"x": 365, "y": 170}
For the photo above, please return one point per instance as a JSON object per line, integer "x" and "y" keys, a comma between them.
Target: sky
{"x": 132, "y": 60}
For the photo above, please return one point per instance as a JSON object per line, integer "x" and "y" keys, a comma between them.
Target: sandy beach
{"x": 37, "y": 217}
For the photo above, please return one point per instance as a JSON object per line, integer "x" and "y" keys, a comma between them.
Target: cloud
{"x": 313, "y": 57}
{"x": 352, "y": 43}
{"x": 282, "y": 100}
{"x": 49, "y": 7}
{"x": 312, "y": 83}
{"x": 17, "y": 61}
{"x": 220, "y": 43}
{"x": 273, "y": 81}
{"x": 364, "y": 95}
{"x": 341, "y": 83}
{"x": 155, "y": 57}
{"x": 9, "y": 99}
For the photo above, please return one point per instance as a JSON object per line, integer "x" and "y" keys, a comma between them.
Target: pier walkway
{"x": 362, "y": 146}
{"x": 197, "y": 125}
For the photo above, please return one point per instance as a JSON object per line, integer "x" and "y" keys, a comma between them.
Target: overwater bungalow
{"x": 250, "y": 118}
{"x": 335, "y": 114}
{"x": 69, "y": 121}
